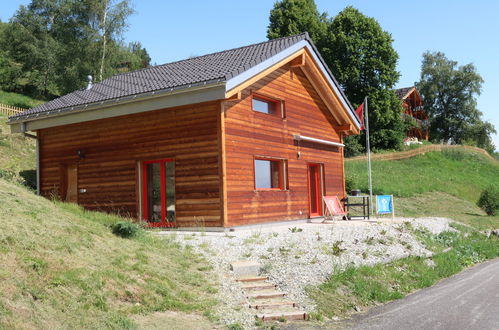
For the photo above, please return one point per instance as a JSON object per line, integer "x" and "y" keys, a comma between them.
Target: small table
{"x": 360, "y": 200}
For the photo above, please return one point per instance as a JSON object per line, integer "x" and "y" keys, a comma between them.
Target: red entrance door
{"x": 158, "y": 192}
{"x": 314, "y": 190}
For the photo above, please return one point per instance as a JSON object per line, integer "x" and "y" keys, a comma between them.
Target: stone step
{"x": 266, "y": 294}
{"x": 245, "y": 268}
{"x": 252, "y": 279}
{"x": 297, "y": 315}
{"x": 273, "y": 304}
{"x": 258, "y": 286}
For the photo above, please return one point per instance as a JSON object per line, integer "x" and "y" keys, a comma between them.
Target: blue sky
{"x": 465, "y": 31}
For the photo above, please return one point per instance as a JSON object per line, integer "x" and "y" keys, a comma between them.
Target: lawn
{"x": 446, "y": 184}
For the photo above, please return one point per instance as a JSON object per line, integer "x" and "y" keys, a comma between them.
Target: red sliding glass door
{"x": 158, "y": 192}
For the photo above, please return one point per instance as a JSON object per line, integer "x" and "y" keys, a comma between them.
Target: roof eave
{"x": 120, "y": 106}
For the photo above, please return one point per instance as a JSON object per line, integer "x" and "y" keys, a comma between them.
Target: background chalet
{"x": 252, "y": 134}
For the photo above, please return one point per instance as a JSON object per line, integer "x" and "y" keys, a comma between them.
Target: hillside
{"x": 63, "y": 268}
{"x": 17, "y": 155}
{"x": 18, "y": 100}
{"x": 446, "y": 183}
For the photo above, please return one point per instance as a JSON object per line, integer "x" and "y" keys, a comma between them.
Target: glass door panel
{"x": 159, "y": 192}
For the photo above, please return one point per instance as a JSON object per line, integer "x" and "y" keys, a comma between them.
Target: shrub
{"x": 489, "y": 200}
{"x": 126, "y": 229}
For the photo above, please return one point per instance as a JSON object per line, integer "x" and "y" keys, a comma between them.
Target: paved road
{"x": 468, "y": 300}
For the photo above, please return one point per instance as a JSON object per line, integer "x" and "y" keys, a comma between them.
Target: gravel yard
{"x": 298, "y": 254}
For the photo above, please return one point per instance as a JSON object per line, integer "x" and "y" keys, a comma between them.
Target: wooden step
{"x": 298, "y": 315}
{"x": 258, "y": 286}
{"x": 266, "y": 295}
{"x": 264, "y": 305}
{"x": 252, "y": 279}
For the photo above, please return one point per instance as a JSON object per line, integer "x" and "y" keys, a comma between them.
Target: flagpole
{"x": 368, "y": 145}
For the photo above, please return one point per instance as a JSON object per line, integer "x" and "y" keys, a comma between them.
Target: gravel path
{"x": 295, "y": 256}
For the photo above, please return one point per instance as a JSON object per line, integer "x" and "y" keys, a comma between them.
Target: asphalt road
{"x": 468, "y": 300}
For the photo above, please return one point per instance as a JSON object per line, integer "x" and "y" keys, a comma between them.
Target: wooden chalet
{"x": 413, "y": 108}
{"x": 247, "y": 135}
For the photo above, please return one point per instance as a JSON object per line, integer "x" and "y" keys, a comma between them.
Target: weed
{"x": 266, "y": 268}
{"x": 281, "y": 319}
{"x": 382, "y": 232}
{"x": 126, "y": 229}
{"x": 235, "y": 326}
{"x": 295, "y": 230}
{"x": 364, "y": 255}
{"x": 274, "y": 234}
{"x": 369, "y": 241}
{"x": 371, "y": 285}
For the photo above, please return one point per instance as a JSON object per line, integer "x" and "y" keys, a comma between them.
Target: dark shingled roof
{"x": 401, "y": 92}
{"x": 201, "y": 70}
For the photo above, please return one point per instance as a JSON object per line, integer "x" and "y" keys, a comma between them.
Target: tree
{"x": 289, "y": 17}
{"x": 449, "y": 93}
{"x": 57, "y": 43}
{"x": 360, "y": 55}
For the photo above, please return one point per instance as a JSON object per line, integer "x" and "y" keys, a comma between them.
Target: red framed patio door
{"x": 315, "y": 190}
{"x": 158, "y": 192}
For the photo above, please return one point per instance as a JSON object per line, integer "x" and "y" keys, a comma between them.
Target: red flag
{"x": 360, "y": 114}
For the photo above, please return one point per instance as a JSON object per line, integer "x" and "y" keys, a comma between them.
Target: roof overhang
{"x": 314, "y": 68}
{"x": 301, "y": 54}
{"x": 119, "y": 107}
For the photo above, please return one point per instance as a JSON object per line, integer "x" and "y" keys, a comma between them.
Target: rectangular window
{"x": 270, "y": 174}
{"x": 266, "y": 105}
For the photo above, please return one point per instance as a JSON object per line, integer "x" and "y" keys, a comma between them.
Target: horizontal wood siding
{"x": 113, "y": 147}
{"x": 249, "y": 134}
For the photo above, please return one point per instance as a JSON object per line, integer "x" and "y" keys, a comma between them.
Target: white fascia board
{"x": 299, "y": 137}
{"x": 243, "y": 76}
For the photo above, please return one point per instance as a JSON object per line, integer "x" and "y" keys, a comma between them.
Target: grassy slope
{"x": 17, "y": 153}
{"x": 62, "y": 268}
{"x": 444, "y": 183}
{"x": 18, "y": 100}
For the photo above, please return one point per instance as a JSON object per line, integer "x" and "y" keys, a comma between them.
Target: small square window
{"x": 265, "y": 106}
{"x": 269, "y": 174}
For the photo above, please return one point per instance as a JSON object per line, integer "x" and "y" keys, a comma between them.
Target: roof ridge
{"x": 305, "y": 34}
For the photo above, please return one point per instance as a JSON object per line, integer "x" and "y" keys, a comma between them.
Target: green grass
{"x": 17, "y": 155}
{"x": 446, "y": 184}
{"x": 360, "y": 287}
{"x": 18, "y": 100}
{"x": 63, "y": 268}
{"x": 457, "y": 172}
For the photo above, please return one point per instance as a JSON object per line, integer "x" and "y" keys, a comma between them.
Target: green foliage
{"x": 126, "y": 229}
{"x": 360, "y": 55}
{"x": 489, "y": 200}
{"x": 449, "y": 93}
{"x": 50, "y": 47}
{"x": 289, "y": 17}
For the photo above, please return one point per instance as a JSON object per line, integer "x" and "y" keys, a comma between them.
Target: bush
{"x": 489, "y": 200}
{"x": 126, "y": 229}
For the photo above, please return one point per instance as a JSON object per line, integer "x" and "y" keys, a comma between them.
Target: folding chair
{"x": 333, "y": 208}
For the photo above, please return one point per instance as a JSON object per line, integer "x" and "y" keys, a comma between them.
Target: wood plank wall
{"x": 113, "y": 147}
{"x": 249, "y": 133}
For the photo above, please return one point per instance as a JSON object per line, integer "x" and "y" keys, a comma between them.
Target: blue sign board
{"x": 384, "y": 204}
